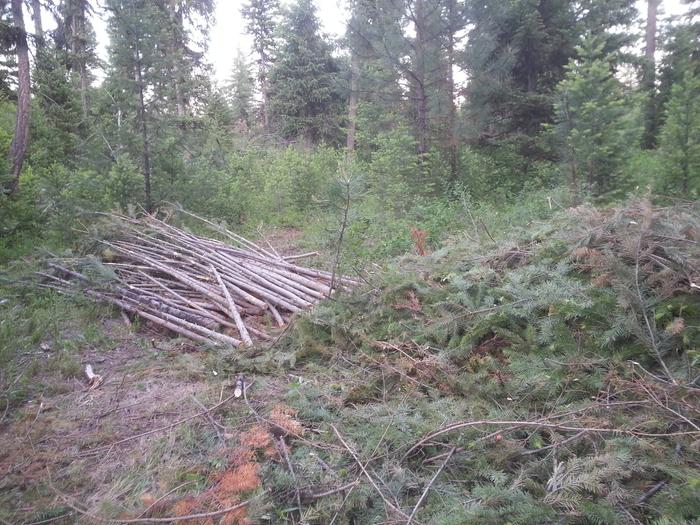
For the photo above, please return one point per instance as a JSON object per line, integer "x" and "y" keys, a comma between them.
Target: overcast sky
{"x": 228, "y": 34}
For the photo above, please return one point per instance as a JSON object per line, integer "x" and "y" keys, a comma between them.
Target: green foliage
{"x": 512, "y": 331}
{"x": 594, "y": 123}
{"x": 240, "y": 91}
{"x": 305, "y": 97}
{"x": 680, "y": 140}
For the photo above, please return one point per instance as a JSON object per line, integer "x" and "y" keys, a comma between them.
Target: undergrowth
{"x": 565, "y": 357}
{"x": 545, "y": 374}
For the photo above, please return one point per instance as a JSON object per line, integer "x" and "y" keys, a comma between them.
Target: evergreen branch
{"x": 640, "y": 297}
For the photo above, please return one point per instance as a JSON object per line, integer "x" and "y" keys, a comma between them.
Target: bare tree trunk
{"x": 18, "y": 148}
{"x": 353, "y": 103}
{"x": 453, "y": 146}
{"x": 422, "y": 111}
{"x": 421, "y": 100}
{"x": 649, "y": 75}
{"x": 144, "y": 132}
{"x": 78, "y": 58}
{"x": 265, "y": 89}
{"x": 38, "y": 28}
{"x": 650, "y": 38}
{"x": 175, "y": 52}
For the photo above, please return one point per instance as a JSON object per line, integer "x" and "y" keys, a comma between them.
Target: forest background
{"x": 559, "y": 101}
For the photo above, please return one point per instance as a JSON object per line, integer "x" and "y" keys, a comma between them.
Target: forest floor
{"x": 511, "y": 381}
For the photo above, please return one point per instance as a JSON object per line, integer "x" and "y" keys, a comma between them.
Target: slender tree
{"x": 261, "y": 22}
{"x": 649, "y": 75}
{"x": 80, "y": 43}
{"x": 592, "y": 120}
{"x": 680, "y": 139}
{"x": 240, "y": 91}
{"x": 20, "y": 139}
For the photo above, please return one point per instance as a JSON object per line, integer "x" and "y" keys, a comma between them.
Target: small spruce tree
{"x": 240, "y": 91}
{"x": 680, "y": 139}
{"x": 592, "y": 119}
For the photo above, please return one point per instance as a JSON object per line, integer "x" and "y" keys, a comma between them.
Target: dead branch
{"x": 541, "y": 424}
{"x": 368, "y": 475}
{"x": 194, "y": 286}
{"x": 430, "y": 484}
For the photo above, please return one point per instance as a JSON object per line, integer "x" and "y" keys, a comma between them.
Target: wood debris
{"x": 198, "y": 287}
{"x": 94, "y": 380}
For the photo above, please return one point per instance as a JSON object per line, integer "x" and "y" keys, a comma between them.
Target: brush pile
{"x": 198, "y": 287}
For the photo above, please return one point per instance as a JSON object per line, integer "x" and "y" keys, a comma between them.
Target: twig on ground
{"x": 48, "y": 520}
{"x": 430, "y": 484}
{"x": 208, "y": 415}
{"x": 643, "y": 308}
{"x": 283, "y": 450}
{"x": 171, "y": 491}
{"x": 330, "y": 492}
{"x": 652, "y": 492}
{"x": 540, "y": 424}
{"x": 169, "y": 519}
{"x": 159, "y": 429}
{"x": 367, "y": 474}
{"x": 554, "y": 445}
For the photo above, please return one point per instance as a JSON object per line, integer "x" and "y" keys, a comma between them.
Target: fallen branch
{"x": 541, "y": 424}
{"x": 367, "y": 474}
{"x": 430, "y": 484}
{"x": 161, "y": 429}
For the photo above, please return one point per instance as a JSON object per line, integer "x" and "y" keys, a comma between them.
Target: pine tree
{"x": 76, "y": 37}
{"x": 648, "y": 82}
{"x": 517, "y": 53}
{"x": 20, "y": 138}
{"x": 240, "y": 91}
{"x": 8, "y": 62}
{"x": 681, "y": 47}
{"x": 680, "y": 139}
{"x": 305, "y": 99}
{"x": 134, "y": 63}
{"x": 261, "y": 17}
{"x": 592, "y": 119}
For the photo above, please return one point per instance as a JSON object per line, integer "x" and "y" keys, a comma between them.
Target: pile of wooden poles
{"x": 201, "y": 288}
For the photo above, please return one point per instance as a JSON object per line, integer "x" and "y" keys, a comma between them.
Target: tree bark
{"x": 453, "y": 145}
{"x": 650, "y": 39}
{"x": 265, "y": 90}
{"x": 18, "y": 148}
{"x": 78, "y": 17}
{"x": 421, "y": 96}
{"x": 353, "y": 103}
{"x": 144, "y": 131}
{"x": 649, "y": 75}
{"x": 38, "y": 27}
{"x": 176, "y": 52}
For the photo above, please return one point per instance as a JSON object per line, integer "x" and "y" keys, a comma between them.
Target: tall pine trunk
{"x": 419, "y": 77}
{"x": 353, "y": 103}
{"x": 38, "y": 27}
{"x": 265, "y": 91}
{"x": 176, "y": 52}
{"x": 78, "y": 51}
{"x": 144, "y": 130}
{"x": 649, "y": 76}
{"x": 453, "y": 145}
{"x": 18, "y": 148}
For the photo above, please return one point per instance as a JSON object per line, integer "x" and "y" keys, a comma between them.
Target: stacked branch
{"x": 197, "y": 287}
